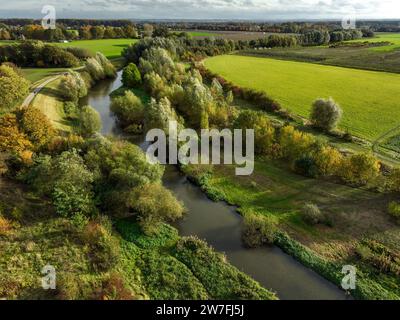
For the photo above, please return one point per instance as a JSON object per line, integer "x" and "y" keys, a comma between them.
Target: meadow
{"x": 393, "y": 38}
{"x": 111, "y": 48}
{"x": 368, "y": 98}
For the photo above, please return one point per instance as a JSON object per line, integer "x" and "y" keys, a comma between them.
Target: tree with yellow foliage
{"x": 328, "y": 160}
{"x": 12, "y": 139}
{"x": 295, "y": 143}
{"x": 36, "y": 125}
{"x": 360, "y": 168}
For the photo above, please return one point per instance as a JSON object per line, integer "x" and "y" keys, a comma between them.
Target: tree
{"x": 37, "y": 126}
{"x": 11, "y": 137}
{"x": 328, "y": 160}
{"x": 155, "y": 204}
{"x": 129, "y": 109}
{"x": 67, "y": 180}
{"x": 360, "y": 168}
{"x": 131, "y": 76}
{"x": 13, "y": 88}
{"x": 264, "y": 132}
{"x": 148, "y": 30}
{"x": 89, "y": 121}
{"x": 294, "y": 143}
{"x": 325, "y": 114}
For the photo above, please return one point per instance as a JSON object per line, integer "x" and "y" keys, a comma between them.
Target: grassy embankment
{"x": 367, "y": 98}
{"x": 356, "y": 217}
{"x": 161, "y": 267}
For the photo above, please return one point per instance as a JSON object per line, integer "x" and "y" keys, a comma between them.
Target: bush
{"x": 155, "y": 204}
{"x": 360, "y": 168}
{"x": 131, "y": 76}
{"x": 258, "y": 230}
{"x": 306, "y": 166}
{"x": 114, "y": 288}
{"x": 80, "y": 53}
{"x": 394, "y": 210}
{"x": 5, "y": 226}
{"x": 129, "y": 109}
{"x": 95, "y": 69}
{"x": 325, "y": 114}
{"x": 294, "y": 143}
{"x": 311, "y": 214}
{"x": 108, "y": 67}
{"x": 328, "y": 160}
{"x": 264, "y": 132}
{"x": 104, "y": 248}
{"x": 89, "y": 121}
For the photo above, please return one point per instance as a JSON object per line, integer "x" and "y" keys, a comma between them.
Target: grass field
{"x": 36, "y": 74}
{"x": 111, "y": 48}
{"x": 368, "y": 98}
{"x": 393, "y": 38}
{"x": 49, "y": 102}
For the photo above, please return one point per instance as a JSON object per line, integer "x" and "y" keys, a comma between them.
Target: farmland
{"x": 393, "y": 38}
{"x": 111, "y": 48}
{"x": 368, "y": 98}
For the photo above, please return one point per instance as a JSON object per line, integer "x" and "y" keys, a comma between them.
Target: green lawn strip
{"x": 393, "y": 38}
{"x": 367, "y": 98}
{"x": 111, "y": 48}
{"x": 172, "y": 270}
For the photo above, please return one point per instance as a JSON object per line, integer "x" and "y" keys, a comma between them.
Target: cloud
{"x": 206, "y": 9}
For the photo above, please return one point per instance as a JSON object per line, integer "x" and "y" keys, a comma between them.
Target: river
{"x": 220, "y": 225}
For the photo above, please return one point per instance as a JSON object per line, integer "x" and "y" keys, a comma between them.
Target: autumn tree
{"x": 13, "y": 88}
{"x": 360, "y": 168}
{"x": 36, "y": 126}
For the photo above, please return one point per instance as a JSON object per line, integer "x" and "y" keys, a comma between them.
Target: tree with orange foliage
{"x": 12, "y": 139}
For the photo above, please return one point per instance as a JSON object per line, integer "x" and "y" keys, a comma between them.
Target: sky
{"x": 205, "y": 9}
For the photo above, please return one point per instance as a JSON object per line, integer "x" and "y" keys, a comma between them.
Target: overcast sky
{"x": 204, "y": 9}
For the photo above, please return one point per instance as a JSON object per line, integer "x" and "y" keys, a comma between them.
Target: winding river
{"x": 220, "y": 225}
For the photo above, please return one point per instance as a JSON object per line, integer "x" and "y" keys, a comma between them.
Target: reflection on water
{"x": 99, "y": 98}
{"x": 220, "y": 225}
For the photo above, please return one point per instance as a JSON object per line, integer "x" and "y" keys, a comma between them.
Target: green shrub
{"x": 104, "y": 248}
{"x": 311, "y": 214}
{"x": 129, "y": 109}
{"x": 306, "y": 166}
{"x": 131, "y": 76}
{"x": 89, "y": 121}
{"x": 325, "y": 114}
{"x": 155, "y": 204}
{"x": 258, "y": 230}
{"x": 394, "y": 210}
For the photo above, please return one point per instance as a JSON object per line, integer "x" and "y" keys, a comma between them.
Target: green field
{"x": 111, "y": 48}
{"x": 368, "y": 99}
{"x": 393, "y": 38}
